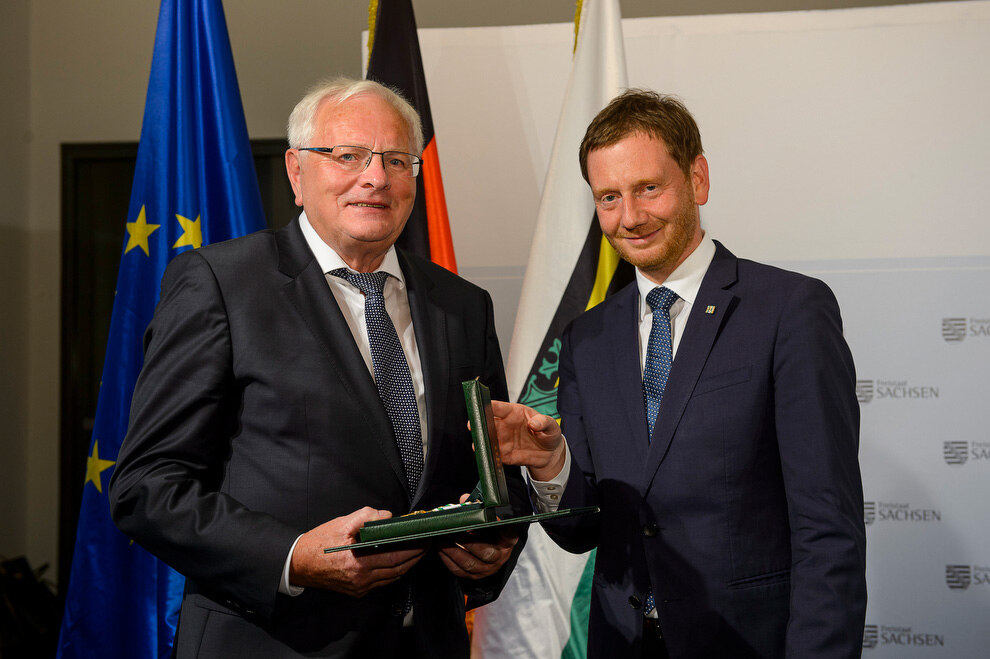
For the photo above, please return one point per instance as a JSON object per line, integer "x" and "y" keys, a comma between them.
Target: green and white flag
{"x": 543, "y": 610}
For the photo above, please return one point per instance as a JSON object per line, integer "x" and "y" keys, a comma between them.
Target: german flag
{"x": 395, "y": 61}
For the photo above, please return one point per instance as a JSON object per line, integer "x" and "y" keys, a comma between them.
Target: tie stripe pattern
{"x": 392, "y": 376}
{"x": 659, "y": 354}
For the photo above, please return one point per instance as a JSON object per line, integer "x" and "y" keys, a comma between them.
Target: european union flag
{"x": 194, "y": 184}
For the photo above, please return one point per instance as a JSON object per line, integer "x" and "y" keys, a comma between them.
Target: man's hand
{"x": 472, "y": 559}
{"x": 344, "y": 571}
{"x": 526, "y": 437}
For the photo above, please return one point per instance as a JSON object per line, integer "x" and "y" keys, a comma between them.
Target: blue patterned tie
{"x": 659, "y": 354}
{"x": 392, "y": 377}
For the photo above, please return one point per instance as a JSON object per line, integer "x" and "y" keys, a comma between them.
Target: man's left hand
{"x": 476, "y": 559}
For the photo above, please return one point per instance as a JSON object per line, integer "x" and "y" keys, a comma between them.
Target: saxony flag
{"x": 543, "y": 610}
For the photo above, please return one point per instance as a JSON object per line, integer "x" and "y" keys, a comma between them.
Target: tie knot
{"x": 367, "y": 282}
{"x": 661, "y": 298}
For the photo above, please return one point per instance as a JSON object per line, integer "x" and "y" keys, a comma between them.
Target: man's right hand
{"x": 344, "y": 571}
{"x": 528, "y": 438}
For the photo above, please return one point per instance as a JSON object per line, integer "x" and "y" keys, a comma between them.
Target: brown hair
{"x": 660, "y": 116}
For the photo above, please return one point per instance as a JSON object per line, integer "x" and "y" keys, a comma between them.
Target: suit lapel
{"x": 624, "y": 344}
{"x": 430, "y": 324}
{"x": 308, "y": 292}
{"x": 708, "y": 315}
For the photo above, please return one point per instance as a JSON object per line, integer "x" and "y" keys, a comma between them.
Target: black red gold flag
{"x": 395, "y": 61}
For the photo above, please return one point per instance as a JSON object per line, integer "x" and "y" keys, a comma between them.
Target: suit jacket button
{"x": 634, "y": 602}
{"x": 650, "y": 530}
{"x": 396, "y": 610}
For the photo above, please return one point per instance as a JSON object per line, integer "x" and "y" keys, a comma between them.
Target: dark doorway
{"x": 94, "y": 212}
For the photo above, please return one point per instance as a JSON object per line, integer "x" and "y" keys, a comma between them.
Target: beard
{"x": 678, "y": 233}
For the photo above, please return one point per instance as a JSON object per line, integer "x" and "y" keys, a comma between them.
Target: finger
{"x": 501, "y": 409}
{"x": 384, "y": 560}
{"x": 408, "y": 557}
{"x": 484, "y": 552}
{"x": 541, "y": 423}
{"x": 374, "y": 575}
{"x": 469, "y": 569}
{"x": 349, "y": 525}
{"x": 454, "y": 568}
{"x": 462, "y": 563}
{"x": 387, "y": 574}
{"x": 505, "y": 543}
{"x": 367, "y": 514}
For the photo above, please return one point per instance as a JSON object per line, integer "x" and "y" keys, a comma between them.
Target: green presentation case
{"x": 488, "y": 506}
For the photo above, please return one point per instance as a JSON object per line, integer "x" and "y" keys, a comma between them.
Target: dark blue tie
{"x": 659, "y": 354}
{"x": 392, "y": 376}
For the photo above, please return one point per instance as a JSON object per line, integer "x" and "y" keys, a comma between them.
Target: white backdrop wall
{"x": 848, "y": 144}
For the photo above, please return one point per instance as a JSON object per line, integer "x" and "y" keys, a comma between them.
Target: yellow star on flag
{"x": 95, "y": 466}
{"x": 193, "y": 233}
{"x": 139, "y": 232}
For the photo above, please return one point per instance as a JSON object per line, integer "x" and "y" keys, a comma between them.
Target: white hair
{"x": 336, "y": 91}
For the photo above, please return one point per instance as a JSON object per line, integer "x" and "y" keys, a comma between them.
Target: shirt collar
{"x": 685, "y": 280}
{"x": 330, "y": 260}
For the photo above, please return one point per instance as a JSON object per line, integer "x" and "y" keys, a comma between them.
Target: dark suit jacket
{"x": 745, "y": 512}
{"x": 255, "y": 419}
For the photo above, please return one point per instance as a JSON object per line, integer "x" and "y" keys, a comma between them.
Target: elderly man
{"x": 300, "y": 383}
{"x": 709, "y": 409}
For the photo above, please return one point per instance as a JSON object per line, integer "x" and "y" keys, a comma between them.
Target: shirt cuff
{"x": 546, "y": 494}
{"x": 284, "y": 586}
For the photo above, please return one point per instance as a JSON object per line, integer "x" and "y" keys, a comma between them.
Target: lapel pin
{"x": 710, "y": 309}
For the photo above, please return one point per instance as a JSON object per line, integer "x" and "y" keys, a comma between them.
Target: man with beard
{"x": 709, "y": 409}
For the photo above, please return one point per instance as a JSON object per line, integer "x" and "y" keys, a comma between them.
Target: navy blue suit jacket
{"x": 745, "y": 511}
{"x": 255, "y": 419}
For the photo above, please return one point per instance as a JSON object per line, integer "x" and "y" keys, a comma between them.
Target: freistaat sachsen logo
{"x": 864, "y": 391}
{"x": 902, "y": 636}
{"x": 895, "y": 512}
{"x": 955, "y": 452}
{"x": 953, "y": 329}
{"x": 958, "y": 577}
{"x": 871, "y": 634}
{"x": 869, "y": 512}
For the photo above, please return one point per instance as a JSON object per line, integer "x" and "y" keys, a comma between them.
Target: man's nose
{"x": 632, "y": 212}
{"x": 375, "y": 174}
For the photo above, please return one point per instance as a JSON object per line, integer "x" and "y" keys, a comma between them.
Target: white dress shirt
{"x": 685, "y": 280}
{"x": 351, "y": 302}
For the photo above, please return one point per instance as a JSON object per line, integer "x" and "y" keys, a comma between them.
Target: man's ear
{"x": 292, "y": 168}
{"x": 699, "y": 179}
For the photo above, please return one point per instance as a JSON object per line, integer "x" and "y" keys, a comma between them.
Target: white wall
{"x": 77, "y": 72}
{"x": 854, "y": 133}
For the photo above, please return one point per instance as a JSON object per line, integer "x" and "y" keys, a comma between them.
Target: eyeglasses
{"x": 356, "y": 159}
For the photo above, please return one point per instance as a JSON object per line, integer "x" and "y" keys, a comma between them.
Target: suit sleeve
{"x": 817, "y": 423}
{"x": 165, "y": 492}
{"x": 575, "y": 534}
